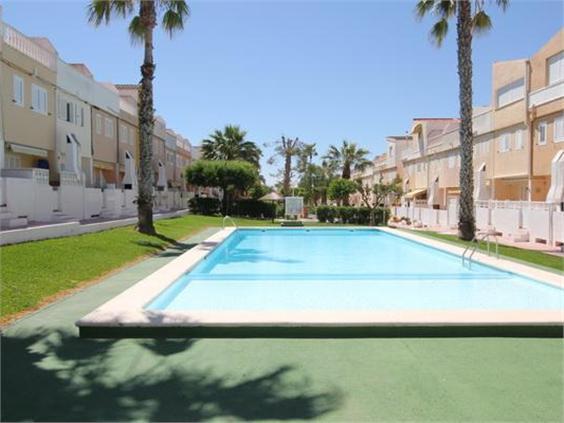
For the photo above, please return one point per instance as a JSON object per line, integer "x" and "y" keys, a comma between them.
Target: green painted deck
{"x": 48, "y": 373}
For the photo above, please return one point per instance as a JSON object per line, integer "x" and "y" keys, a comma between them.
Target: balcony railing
{"x": 40, "y": 176}
{"x": 546, "y": 94}
{"x": 23, "y": 44}
{"x": 482, "y": 123}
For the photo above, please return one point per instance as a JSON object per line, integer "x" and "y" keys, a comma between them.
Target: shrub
{"x": 204, "y": 205}
{"x": 326, "y": 214}
{"x": 346, "y": 214}
{"x": 357, "y": 215}
{"x": 254, "y": 209}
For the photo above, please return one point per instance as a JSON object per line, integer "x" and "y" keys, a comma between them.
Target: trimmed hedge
{"x": 356, "y": 215}
{"x": 205, "y": 205}
{"x": 241, "y": 208}
{"x": 254, "y": 208}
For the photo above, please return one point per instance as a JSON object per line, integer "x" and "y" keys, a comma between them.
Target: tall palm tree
{"x": 231, "y": 144}
{"x": 287, "y": 148}
{"x": 469, "y": 19}
{"x": 305, "y": 168}
{"x": 348, "y": 157}
{"x": 144, "y": 15}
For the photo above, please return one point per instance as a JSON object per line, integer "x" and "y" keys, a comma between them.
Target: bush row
{"x": 357, "y": 215}
{"x": 243, "y": 208}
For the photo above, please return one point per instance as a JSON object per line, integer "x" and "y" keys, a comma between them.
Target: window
{"x": 82, "y": 117}
{"x": 559, "y": 129}
{"x": 38, "y": 99}
{"x": 13, "y": 162}
{"x": 98, "y": 124}
{"x": 504, "y": 143}
{"x": 109, "y": 128}
{"x": 69, "y": 113}
{"x": 519, "y": 144}
{"x": 511, "y": 92}
{"x": 542, "y": 133}
{"x": 556, "y": 68}
{"x": 123, "y": 134}
{"x": 18, "y": 91}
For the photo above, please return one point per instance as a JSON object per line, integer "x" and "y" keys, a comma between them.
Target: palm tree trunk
{"x": 147, "y": 14}
{"x": 466, "y": 222}
{"x": 346, "y": 174}
{"x": 287, "y": 173}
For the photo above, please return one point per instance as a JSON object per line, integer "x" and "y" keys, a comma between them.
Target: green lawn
{"x": 33, "y": 271}
{"x": 535, "y": 258}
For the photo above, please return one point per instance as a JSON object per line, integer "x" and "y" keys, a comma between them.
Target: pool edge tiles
{"x": 126, "y": 312}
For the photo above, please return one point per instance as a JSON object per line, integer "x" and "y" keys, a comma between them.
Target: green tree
{"x": 341, "y": 189}
{"x": 348, "y": 157}
{"x": 231, "y": 144}
{"x": 144, "y": 20}
{"x": 376, "y": 195}
{"x": 233, "y": 177}
{"x": 469, "y": 19}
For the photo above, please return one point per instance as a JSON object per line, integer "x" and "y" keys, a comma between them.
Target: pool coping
{"x": 124, "y": 315}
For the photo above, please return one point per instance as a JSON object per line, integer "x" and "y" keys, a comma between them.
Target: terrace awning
{"x": 30, "y": 151}
{"x": 415, "y": 193}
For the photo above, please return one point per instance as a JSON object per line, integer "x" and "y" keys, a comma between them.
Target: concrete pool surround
{"x": 125, "y": 315}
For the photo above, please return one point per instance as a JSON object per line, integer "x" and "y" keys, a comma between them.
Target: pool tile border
{"x": 125, "y": 313}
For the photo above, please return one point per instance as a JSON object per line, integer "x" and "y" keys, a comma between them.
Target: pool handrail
{"x": 226, "y": 217}
{"x": 475, "y": 244}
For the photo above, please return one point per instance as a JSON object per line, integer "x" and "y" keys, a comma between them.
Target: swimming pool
{"x": 332, "y": 283}
{"x": 345, "y": 269}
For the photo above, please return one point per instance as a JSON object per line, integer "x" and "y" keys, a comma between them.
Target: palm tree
{"x": 287, "y": 148}
{"x": 468, "y": 20}
{"x": 144, "y": 20}
{"x": 230, "y": 144}
{"x": 305, "y": 168}
{"x": 348, "y": 157}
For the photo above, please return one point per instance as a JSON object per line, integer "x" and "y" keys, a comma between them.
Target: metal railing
{"x": 469, "y": 251}
{"x": 226, "y": 218}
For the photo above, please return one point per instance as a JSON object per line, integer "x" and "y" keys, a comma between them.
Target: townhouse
{"x": 518, "y": 140}
{"x": 29, "y": 77}
{"x": 546, "y": 117}
{"x": 69, "y": 145}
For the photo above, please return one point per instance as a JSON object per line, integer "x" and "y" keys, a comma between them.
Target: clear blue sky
{"x": 320, "y": 70}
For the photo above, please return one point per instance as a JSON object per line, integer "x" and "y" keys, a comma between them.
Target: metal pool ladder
{"x": 226, "y": 218}
{"x": 475, "y": 244}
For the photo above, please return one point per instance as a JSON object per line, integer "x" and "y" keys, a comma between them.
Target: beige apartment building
{"x": 105, "y": 147}
{"x": 546, "y": 117}
{"x": 29, "y": 75}
{"x": 159, "y": 153}
{"x": 518, "y": 140}
{"x": 128, "y": 142}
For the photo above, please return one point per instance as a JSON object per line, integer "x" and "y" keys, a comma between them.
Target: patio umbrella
{"x": 272, "y": 196}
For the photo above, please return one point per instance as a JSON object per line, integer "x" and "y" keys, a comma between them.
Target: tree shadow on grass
{"x": 56, "y": 376}
{"x": 168, "y": 248}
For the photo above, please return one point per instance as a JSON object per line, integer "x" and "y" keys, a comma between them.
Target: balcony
{"x": 546, "y": 94}
{"x": 482, "y": 123}
{"x": 40, "y": 176}
{"x": 18, "y": 41}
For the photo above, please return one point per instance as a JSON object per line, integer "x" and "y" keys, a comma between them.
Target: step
{"x": 14, "y": 222}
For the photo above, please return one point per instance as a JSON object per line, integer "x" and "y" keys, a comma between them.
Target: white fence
{"x": 27, "y": 196}
{"x": 535, "y": 221}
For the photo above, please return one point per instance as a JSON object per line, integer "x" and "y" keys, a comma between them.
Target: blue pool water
{"x": 342, "y": 269}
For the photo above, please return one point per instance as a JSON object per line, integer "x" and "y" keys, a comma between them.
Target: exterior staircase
{"x": 9, "y": 221}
